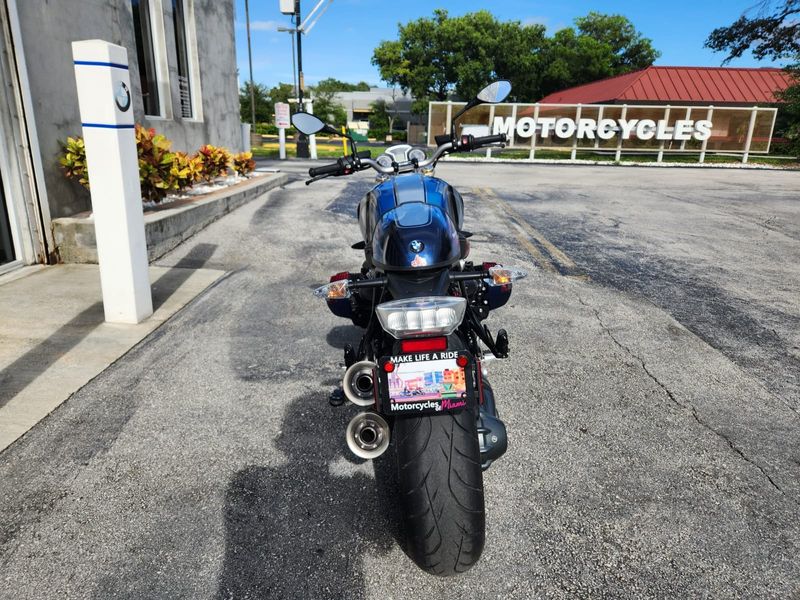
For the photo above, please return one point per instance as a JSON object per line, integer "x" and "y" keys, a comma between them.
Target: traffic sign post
{"x": 282, "y": 122}
{"x": 104, "y": 97}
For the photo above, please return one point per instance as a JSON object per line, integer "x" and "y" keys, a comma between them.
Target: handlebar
{"x": 362, "y": 160}
{"x": 333, "y": 169}
{"x": 500, "y": 138}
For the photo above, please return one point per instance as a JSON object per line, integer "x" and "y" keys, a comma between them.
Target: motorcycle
{"x": 419, "y": 370}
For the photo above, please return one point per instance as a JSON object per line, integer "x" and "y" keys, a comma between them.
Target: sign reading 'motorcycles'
{"x": 604, "y": 129}
{"x": 616, "y": 128}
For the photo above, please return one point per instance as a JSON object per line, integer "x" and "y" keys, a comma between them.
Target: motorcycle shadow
{"x": 301, "y": 529}
{"x": 340, "y": 335}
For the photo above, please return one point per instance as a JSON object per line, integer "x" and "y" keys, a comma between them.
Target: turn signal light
{"x": 388, "y": 366}
{"x": 504, "y": 275}
{"x": 436, "y": 344}
{"x": 335, "y": 290}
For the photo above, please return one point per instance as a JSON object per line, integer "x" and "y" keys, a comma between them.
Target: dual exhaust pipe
{"x": 368, "y": 433}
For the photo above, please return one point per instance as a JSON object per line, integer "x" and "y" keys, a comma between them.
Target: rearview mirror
{"x": 495, "y": 92}
{"x": 309, "y": 124}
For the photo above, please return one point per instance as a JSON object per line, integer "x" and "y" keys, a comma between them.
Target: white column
{"x": 312, "y": 139}
{"x": 750, "y": 129}
{"x": 573, "y": 155}
{"x": 661, "y": 145}
{"x": 104, "y": 96}
{"x": 282, "y": 143}
{"x": 246, "y": 143}
{"x": 622, "y": 117}
{"x": 709, "y": 116}
{"x": 532, "y": 153}
{"x": 491, "y": 120}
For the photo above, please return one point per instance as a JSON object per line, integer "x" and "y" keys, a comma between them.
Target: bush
{"x": 161, "y": 171}
{"x": 215, "y": 161}
{"x": 155, "y": 164}
{"x": 186, "y": 170}
{"x": 74, "y": 161}
{"x": 243, "y": 163}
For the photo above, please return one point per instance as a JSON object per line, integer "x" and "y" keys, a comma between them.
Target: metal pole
{"x": 250, "y": 59}
{"x": 302, "y": 140}
{"x": 294, "y": 65}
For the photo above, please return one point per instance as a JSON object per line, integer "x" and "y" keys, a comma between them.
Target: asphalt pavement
{"x": 651, "y": 398}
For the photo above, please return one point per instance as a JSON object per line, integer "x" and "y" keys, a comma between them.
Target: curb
{"x": 165, "y": 228}
{"x": 609, "y": 163}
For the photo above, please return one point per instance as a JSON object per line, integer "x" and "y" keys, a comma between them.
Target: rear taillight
{"x": 421, "y": 317}
{"x": 436, "y": 344}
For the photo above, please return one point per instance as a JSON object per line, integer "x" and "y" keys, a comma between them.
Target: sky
{"x": 341, "y": 43}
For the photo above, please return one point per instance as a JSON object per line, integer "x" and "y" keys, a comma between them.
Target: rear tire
{"x": 441, "y": 490}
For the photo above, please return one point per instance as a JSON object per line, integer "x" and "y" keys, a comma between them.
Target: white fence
{"x": 580, "y": 130}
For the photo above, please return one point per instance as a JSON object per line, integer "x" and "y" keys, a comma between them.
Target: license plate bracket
{"x": 425, "y": 383}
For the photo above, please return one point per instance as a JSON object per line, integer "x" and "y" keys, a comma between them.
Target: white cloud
{"x": 266, "y": 25}
{"x": 534, "y": 20}
{"x": 262, "y": 25}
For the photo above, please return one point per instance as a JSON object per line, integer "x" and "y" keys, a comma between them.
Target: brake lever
{"x": 317, "y": 178}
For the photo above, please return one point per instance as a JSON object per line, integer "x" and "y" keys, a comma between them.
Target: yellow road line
{"x": 519, "y": 234}
{"x": 540, "y": 258}
{"x": 561, "y": 258}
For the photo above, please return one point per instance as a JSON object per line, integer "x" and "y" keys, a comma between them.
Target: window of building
{"x": 186, "y": 54}
{"x": 146, "y": 55}
{"x": 182, "y": 52}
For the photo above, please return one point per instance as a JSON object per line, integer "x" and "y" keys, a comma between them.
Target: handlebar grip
{"x": 443, "y": 139}
{"x": 333, "y": 169}
{"x": 491, "y": 139}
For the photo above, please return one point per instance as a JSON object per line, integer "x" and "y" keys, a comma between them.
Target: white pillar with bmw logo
{"x": 104, "y": 95}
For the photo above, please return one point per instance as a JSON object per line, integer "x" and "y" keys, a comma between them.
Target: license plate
{"x": 430, "y": 382}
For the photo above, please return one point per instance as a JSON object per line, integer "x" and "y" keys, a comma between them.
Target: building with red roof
{"x": 718, "y": 86}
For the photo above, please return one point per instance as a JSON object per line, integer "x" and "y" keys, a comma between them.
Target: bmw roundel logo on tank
{"x": 417, "y": 246}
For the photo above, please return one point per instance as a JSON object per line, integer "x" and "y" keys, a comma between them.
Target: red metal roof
{"x": 680, "y": 84}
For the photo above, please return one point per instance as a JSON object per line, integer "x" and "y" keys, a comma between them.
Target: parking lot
{"x": 652, "y": 399}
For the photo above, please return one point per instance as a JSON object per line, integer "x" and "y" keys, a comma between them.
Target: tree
{"x": 439, "y": 57}
{"x": 381, "y": 120}
{"x": 631, "y": 51}
{"x": 570, "y": 59}
{"x": 280, "y": 93}
{"x": 263, "y": 103}
{"x": 335, "y": 85}
{"x": 775, "y": 35}
{"x": 442, "y": 57}
{"x": 772, "y": 31}
{"x": 326, "y": 106}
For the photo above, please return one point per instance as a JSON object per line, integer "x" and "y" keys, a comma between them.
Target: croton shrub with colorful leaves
{"x": 162, "y": 171}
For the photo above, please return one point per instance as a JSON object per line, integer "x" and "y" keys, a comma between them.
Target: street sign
{"x": 282, "y": 120}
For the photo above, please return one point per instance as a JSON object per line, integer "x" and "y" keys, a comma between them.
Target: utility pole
{"x": 302, "y": 141}
{"x": 292, "y": 31}
{"x": 250, "y": 59}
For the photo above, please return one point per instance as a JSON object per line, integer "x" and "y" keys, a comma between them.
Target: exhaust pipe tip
{"x": 359, "y": 382}
{"x": 367, "y": 435}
